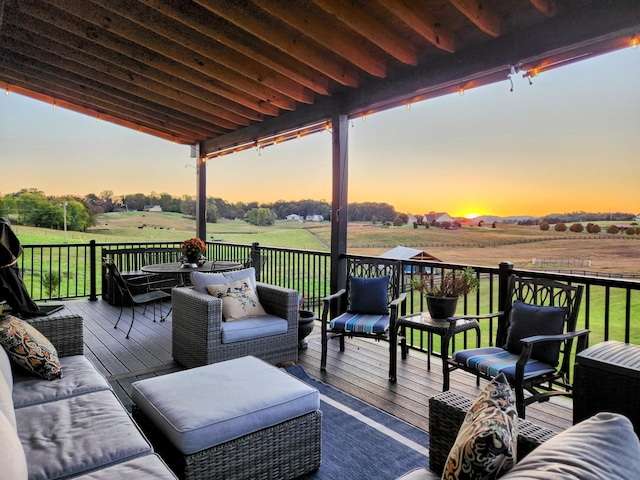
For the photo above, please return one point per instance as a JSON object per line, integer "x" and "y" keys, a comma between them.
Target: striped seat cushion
{"x": 493, "y": 360}
{"x": 360, "y": 323}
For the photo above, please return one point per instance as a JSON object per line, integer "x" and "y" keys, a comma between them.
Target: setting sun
{"x": 471, "y": 215}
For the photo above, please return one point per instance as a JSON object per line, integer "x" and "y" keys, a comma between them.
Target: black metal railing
{"x": 610, "y": 307}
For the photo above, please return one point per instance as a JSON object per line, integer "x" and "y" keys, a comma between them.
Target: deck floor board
{"x": 361, "y": 370}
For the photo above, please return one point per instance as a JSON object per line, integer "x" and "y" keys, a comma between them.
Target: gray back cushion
{"x": 201, "y": 281}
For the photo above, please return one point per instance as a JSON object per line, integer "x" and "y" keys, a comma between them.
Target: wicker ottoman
{"x": 242, "y": 418}
{"x": 607, "y": 379}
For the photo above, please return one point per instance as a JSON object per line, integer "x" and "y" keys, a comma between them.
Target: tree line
{"x": 33, "y": 207}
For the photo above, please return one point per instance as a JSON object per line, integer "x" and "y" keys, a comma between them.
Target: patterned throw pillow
{"x": 238, "y": 300}
{"x": 486, "y": 444}
{"x": 29, "y": 349}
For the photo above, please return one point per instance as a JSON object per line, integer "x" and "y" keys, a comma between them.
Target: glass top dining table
{"x": 177, "y": 268}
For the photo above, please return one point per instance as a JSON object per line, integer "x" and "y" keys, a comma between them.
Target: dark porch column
{"x": 201, "y": 194}
{"x": 340, "y": 130}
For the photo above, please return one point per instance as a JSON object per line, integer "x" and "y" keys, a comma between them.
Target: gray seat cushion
{"x": 78, "y": 434}
{"x": 79, "y": 377}
{"x": 148, "y": 467}
{"x": 206, "y": 406}
{"x": 253, "y": 327}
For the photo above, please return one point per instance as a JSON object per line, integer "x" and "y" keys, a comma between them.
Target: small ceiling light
{"x": 634, "y": 44}
{"x": 98, "y": 118}
{"x": 461, "y": 92}
{"x": 137, "y": 130}
{"x": 408, "y": 105}
{"x": 7, "y": 90}
{"x": 54, "y": 103}
{"x": 298, "y": 135}
{"x": 364, "y": 117}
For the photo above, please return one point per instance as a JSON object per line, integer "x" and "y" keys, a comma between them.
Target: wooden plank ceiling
{"x": 234, "y": 72}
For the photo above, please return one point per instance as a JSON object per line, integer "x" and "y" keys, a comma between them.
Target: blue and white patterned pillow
{"x": 487, "y": 441}
{"x": 239, "y": 300}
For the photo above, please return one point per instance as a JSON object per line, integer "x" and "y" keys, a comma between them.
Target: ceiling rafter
{"x": 201, "y": 20}
{"x": 183, "y": 57}
{"x": 56, "y": 56}
{"x": 140, "y": 55}
{"x": 373, "y": 30}
{"x": 279, "y": 35}
{"x": 428, "y": 26}
{"x": 481, "y": 14}
{"x": 215, "y": 51}
{"x": 312, "y": 21}
{"x": 94, "y": 101}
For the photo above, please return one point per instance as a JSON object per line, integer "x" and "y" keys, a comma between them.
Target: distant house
{"x": 314, "y": 218}
{"x": 152, "y": 208}
{"x": 406, "y": 253}
{"x": 412, "y": 220}
{"x": 637, "y": 219}
{"x": 442, "y": 219}
{"x": 294, "y": 217}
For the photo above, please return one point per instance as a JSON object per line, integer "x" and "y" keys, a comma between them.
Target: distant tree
{"x": 404, "y": 217}
{"x": 544, "y": 226}
{"x": 397, "y": 222}
{"x": 630, "y": 231}
{"x": 576, "y": 227}
{"x": 613, "y": 230}
{"x": 593, "y": 228}
{"x": 637, "y": 230}
{"x": 261, "y": 216}
{"x": 560, "y": 227}
{"x": 374, "y": 219}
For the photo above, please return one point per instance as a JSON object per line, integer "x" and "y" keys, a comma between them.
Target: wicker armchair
{"x": 197, "y": 321}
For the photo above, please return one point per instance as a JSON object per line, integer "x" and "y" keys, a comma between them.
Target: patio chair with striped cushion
{"x": 533, "y": 343}
{"x": 368, "y": 307}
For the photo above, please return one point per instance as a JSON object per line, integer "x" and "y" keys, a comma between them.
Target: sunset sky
{"x": 570, "y": 141}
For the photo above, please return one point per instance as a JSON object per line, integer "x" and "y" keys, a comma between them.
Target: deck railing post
{"x": 93, "y": 271}
{"x": 504, "y": 272}
{"x": 255, "y": 259}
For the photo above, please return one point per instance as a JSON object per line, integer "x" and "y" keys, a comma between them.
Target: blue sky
{"x": 568, "y": 142}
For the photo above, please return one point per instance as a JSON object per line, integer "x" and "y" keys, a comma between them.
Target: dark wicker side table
{"x": 607, "y": 378}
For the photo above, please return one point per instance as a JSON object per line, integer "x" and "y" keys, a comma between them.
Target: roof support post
{"x": 201, "y": 193}
{"x": 339, "y": 198}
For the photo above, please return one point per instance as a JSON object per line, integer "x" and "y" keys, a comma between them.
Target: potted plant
{"x": 193, "y": 249}
{"x": 442, "y": 293}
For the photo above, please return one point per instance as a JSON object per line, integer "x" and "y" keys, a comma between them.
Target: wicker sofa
{"x": 603, "y": 446}
{"x": 71, "y": 427}
{"x": 200, "y": 337}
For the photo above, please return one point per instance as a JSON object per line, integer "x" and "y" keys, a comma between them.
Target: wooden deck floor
{"x": 360, "y": 371}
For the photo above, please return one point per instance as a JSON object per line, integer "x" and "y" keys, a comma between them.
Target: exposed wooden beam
{"x": 109, "y": 40}
{"x": 218, "y": 29}
{"x": 184, "y": 57}
{"x": 427, "y": 25}
{"x": 73, "y": 105}
{"x": 370, "y": 28}
{"x": 49, "y": 88}
{"x": 284, "y": 38}
{"x": 547, "y": 7}
{"x": 215, "y": 51}
{"x": 96, "y": 96}
{"x": 312, "y": 22}
{"x": 481, "y": 14}
{"x": 54, "y": 54}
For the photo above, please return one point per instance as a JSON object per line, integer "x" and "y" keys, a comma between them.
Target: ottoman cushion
{"x": 206, "y": 406}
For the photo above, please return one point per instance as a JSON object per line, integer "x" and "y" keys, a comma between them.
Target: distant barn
{"x": 406, "y": 253}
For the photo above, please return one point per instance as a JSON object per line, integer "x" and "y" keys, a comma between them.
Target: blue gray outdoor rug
{"x": 360, "y": 441}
